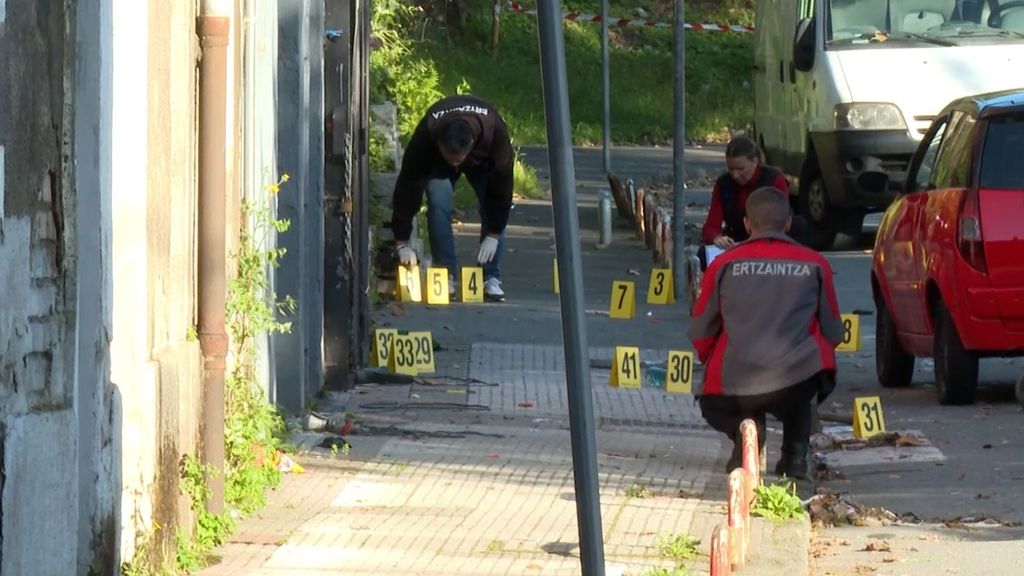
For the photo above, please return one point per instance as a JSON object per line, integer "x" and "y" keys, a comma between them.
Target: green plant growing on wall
{"x": 211, "y": 530}
{"x": 253, "y": 429}
{"x": 381, "y": 159}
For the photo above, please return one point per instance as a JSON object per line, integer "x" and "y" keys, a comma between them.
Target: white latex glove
{"x": 406, "y": 255}
{"x": 488, "y": 248}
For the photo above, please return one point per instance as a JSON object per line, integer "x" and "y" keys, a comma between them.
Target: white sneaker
{"x": 493, "y": 291}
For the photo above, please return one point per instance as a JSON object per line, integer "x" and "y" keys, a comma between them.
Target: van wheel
{"x": 827, "y": 229}
{"x": 895, "y": 368}
{"x": 956, "y": 369}
{"x": 1019, "y": 390}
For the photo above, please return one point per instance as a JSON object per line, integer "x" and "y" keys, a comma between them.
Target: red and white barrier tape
{"x": 596, "y": 18}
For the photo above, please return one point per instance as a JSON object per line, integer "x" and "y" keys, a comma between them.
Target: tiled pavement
{"x": 445, "y": 492}
{"x": 469, "y": 471}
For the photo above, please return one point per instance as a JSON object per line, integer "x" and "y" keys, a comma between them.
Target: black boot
{"x": 793, "y": 462}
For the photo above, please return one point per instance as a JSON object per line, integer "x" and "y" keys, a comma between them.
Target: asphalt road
{"x": 973, "y": 469}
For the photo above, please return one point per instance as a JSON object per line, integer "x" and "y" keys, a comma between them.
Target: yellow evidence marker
{"x": 472, "y": 284}
{"x": 403, "y": 355}
{"x": 679, "y": 372}
{"x": 851, "y": 333}
{"x": 409, "y": 289}
{"x": 437, "y": 285}
{"x": 380, "y": 350}
{"x": 660, "y": 290}
{"x": 868, "y": 419}
{"x": 626, "y": 370}
{"x": 623, "y": 304}
{"x": 412, "y": 354}
{"x": 554, "y": 267}
{"x": 423, "y": 347}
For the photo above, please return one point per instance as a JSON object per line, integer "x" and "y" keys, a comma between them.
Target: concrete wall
{"x": 97, "y": 402}
{"x": 168, "y": 406}
{"x": 38, "y": 487}
{"x": 100, "y": 387}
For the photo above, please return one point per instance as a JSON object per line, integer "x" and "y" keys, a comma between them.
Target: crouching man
{"x": 766, "y": 326}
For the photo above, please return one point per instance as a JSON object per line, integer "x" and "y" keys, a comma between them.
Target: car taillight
{"x": 969, "y": 236}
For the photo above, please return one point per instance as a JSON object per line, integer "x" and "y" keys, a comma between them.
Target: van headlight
{"x": 869, "y": 116}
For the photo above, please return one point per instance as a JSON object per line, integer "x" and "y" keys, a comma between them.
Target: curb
{"x": 780, "y": 549}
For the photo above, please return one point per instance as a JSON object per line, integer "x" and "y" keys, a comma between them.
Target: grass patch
{"x": 679, "y": 547}
{"x": 638, "y": 491}
{"x": 718, "y": 73}
{"x": 662, "y": 571}
{"x": 778, "y": 502}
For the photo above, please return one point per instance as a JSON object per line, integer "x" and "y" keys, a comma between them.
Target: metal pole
{"x": 213, "y": 29}
{"x": 570, "y": 272}
{"x": 606, "y": 84}
{"x": 678, "y": 154}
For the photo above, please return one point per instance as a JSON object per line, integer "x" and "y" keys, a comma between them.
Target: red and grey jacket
{"x": 729, "y": 203}
{"x": 767, "y": 317}
{"x": 492, "y": 148}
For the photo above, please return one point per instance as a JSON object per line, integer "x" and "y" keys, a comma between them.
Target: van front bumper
{"x": 843, "y": 156}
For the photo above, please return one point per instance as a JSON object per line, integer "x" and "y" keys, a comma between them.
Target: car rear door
{"x": 1001, "y": 197}
{"x": 1001, "y": 207}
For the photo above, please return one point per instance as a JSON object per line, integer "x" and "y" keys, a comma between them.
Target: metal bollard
{"x": 751, "y": 451}
{"x": 631, "y": 193}
{"x": 605, "y": 216}
{"x": 739, "y": 516}
{"x": 720, "y": 565}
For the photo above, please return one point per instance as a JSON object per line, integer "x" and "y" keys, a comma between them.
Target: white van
{"x": 845, "y": 89}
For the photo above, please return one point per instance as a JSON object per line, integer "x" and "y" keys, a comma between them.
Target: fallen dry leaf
{"x": 398, "y": 309}
{"x": 877, "y": 546}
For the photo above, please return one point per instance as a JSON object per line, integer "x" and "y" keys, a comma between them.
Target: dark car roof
{"x": 981, "y": 105}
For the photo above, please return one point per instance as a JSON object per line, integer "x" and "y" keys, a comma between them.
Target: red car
{"x": 948, "y": 267}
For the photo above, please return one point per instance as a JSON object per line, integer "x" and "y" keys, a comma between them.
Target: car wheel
{"x": 894, "y": 366}
{"x": 956, "y": 369}
{"x": 826, "y": 228}
{"x": 1019, "y": 390}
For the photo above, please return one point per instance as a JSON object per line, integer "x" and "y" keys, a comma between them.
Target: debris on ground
{"x": 828, "y": 509}
{"x": 969, "y": 522}
{"x": 842, "y": 438}
{"x": 284, "y": 463}
{"x": 874, "y": 545}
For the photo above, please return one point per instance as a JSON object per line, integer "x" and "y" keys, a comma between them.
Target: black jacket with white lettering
{"x": 767, "y": 317}
{"x": 492, "y": 147}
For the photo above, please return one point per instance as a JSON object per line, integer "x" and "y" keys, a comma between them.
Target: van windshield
{"x": 1001, "y": 168}
{"x": 888, "y": 23}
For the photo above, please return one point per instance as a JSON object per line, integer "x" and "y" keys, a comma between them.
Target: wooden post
{"x": 495, "y": 25}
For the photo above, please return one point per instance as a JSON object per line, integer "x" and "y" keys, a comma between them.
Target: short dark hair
{"x": 457, "y": 137}
{"x": 768, "y": 209}
{"x": 742, "y": 146}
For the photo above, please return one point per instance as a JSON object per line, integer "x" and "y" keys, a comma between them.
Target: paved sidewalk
{"x": 469, "y": 470}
